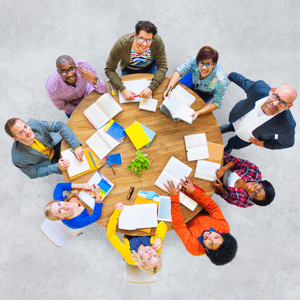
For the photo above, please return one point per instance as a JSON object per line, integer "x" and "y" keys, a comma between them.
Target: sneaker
{"x": 226, "y": 128}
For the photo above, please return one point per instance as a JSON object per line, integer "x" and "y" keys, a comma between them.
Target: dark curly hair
{"x": 146, "y": 26}
{"x": 270, "y": 194}
{"x": 225, "y": 253}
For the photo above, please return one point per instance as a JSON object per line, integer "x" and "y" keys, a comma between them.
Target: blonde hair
{"x": 48, "y": 213}
{"x": 143, "y": 266}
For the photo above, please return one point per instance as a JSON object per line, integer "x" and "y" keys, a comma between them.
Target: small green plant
{"x": 139, "y": 163}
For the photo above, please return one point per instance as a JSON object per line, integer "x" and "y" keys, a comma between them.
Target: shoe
{"x": 226, "y": 128}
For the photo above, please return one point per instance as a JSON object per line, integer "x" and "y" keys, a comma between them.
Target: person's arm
{"x": 205, "y": 110}
{"x": 241, "y": 81}
{"x": 159, "y": 234}
{"x": 113, "y": 238}
{"x": 88, "y": 73}
{"x": 60, "y": 188}
{"x": 174, "y": 79}
{"x": 283, "y": 141}
{"x": 161, "y": 62}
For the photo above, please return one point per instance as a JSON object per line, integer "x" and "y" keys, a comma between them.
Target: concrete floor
{"x": 259, "y": 39}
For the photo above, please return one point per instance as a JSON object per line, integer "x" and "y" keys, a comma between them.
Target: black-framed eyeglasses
{"x": 65, "y": 72}
{"x": 131, "y": 189}
{"x": 208, "y": 65}
{"x": 276, "y": 98}
{"x": 142, "y": 40}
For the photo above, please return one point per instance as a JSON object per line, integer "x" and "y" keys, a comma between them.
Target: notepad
{"x": 164, "y": 211}
{"x": 137, "y": 135}
{"x": 150, "y": 133}
{"x": 206, "y": 170}
{"x": 102, "y": 143}
{"x": 135, "y": 86}
{"x": 187, "y": 201}
{"x": 105, "y": 187}
{"x": 196, "y": 146}
{"x": 100, "y": 112}
{"x": 114, "y": 160}
{"x": 174, "y": 170}
{"x": 76, "y": 167}
{"x": 148, "y": 104}
{"x": 138, "y": 216}
{"x": 216, "y": 152}
{"x": 115, "y": 130}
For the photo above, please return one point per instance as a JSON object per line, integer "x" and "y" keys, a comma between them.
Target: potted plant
{"x": 139, "y": 163}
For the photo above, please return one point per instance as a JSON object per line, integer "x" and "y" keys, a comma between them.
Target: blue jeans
{"x": 187, "y": 80}
{"x": 151, "y": 69}
{"x": 68, "y": 115}
{"x": 235, "y": 143}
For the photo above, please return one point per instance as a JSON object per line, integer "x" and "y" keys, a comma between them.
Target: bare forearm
{"x": 207, "y": 109}
{"x": 174, "y": 79}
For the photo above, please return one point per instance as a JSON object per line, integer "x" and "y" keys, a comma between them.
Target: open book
{"x": 196, "y": 146}
{"x": 187, "y": 201}
{"x": 206, "y": 170}
{"x": 135, "y": 86}
{"x": 102, "y": 143}
{"x": 177, "y": 106}
{"x": 138, "y": 216}
{"x": 174, "y": 170}
{"x": 105, "y": 187}
{"x": 100, "y": 112}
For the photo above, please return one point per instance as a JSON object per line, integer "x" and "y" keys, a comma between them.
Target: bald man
{"x": 263, "y": 118}
{"x": 73, "y": 80}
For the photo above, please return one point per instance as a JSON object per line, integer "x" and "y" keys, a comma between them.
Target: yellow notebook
{"x": 87, "y": 152}
{"x": 142, "y": 200}
{"x": 137, "y": 135}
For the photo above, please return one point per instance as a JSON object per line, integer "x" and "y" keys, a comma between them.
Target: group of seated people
{"x": 263, "y": 119}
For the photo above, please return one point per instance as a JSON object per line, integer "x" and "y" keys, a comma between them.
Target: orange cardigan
{"x": 189, "y": 232}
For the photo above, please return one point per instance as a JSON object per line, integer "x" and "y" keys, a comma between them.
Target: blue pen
{"x": 92, "y": 159}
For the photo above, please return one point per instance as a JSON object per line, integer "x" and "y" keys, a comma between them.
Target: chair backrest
{"x": 58, "y": 233}
{"x": 136, "y": 275}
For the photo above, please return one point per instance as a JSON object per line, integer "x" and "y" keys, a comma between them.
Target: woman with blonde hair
{"x": 141, "y": 251}
{"x": 69, "y": 209}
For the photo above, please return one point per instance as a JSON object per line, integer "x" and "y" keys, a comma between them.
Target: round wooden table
{"x": 169, "y": 141}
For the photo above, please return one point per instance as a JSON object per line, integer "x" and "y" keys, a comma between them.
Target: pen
{"x": 72, "y": 152}
{"x": 92, "y": 159}
{"x": 111, "y": 89}
{"x": 168, "y": 91}
{"x": 95, "y": 189}
{"x": 136, "y": 96}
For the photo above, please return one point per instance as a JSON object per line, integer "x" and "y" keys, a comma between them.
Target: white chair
{"x": 58, "y": 233}
{"x": 136, "y": 275}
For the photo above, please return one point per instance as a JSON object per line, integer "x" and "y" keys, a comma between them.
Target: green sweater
{"x": 121, "y": 53}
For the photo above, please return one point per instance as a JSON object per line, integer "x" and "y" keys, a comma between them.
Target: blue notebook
{"x": 115, "y": 130}
{"x": 150, "y": 133}
{"x": 113, "y": 159}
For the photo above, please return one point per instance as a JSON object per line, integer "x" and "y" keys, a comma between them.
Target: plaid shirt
{"x": 248, "y": 172}
{"x": 215, "y": 82}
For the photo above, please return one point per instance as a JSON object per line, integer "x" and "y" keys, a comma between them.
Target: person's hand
{"x": 218, "y": 184}
{"x": 128, "y": 95}
{"x": 256, "y": 142}
{"x": 165, "y": 93}
{"x": 194, "y": 115}
{"x": 220, "y": 172}
{"x": 87, "y": 74}
{"x": 156, "y": 244}
{"x": 79, "y": 153}
{"x": 171, "y": 189}
{"x": 98, "y": 195}
{"x": 119, "y": 206}
{"x": 228, "y": 73}
{"x": 145, "y": 93}
{"x": 63, "y": 164}
{"x": 86, "y": 187}
{"x": 188, "y": 185}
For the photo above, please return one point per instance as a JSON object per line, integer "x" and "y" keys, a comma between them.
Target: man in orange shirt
{"x": 206, "y": 233}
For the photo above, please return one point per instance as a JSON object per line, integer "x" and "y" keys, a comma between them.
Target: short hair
{"x": 146, "y": 26}
{"x": 63, "y": 59}
{"x": 9, "y": 124}
{"x": 147, "y": 269}
{"x": 270, "y": 194}
{"x": 207, "y": 52}
{"x": 225, "y": 253}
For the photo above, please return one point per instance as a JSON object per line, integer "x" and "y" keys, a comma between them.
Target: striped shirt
{"x": 139, "y": 61}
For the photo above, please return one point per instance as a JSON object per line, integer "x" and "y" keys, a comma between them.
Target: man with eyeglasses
{"x": 73, "y": 80}
{"x": 140, "y": 52}
{"x": 263, "y": 118}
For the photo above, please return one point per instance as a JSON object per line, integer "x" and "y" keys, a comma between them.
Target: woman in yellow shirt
{"x": 141, "y": 251}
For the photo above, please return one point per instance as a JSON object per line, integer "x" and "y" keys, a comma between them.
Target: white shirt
{"x": 249, "y": 122}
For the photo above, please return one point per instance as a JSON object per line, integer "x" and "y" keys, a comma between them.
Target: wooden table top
{"x": 169, "y": 141}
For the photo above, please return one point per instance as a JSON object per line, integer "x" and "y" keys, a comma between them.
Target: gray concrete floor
{"x": 259, "y": 39}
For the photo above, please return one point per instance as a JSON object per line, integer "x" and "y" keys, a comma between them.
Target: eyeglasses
{"x": 142, "y": 40}
{"x": 65, "y": 72}
{"x": 276, "y": 98}
{"x": 257, "y": 190}
{"x": 131, "y": 189}
{"x": 208, "y": 65}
